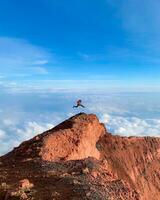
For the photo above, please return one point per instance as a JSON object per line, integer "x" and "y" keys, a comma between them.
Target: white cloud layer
{"x": 19, "y": 135}
{"x": 131, "y": 126}
{"x": 31, "y": 129}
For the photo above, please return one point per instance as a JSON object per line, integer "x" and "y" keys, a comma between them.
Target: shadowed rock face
{"x": 79, "y": 159}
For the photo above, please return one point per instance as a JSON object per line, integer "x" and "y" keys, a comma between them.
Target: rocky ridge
{"x": 79, "y": 159}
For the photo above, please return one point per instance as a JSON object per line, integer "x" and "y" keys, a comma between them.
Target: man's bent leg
{"x": 82, "y": 106}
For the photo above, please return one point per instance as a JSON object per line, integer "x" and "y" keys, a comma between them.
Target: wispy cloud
{"x": 87, "y": 86}
{"x": 20, "y": 56}
{"x": 138, "y": 17}
{"x": 40, "y": 70}
{"x": 139, "y": 21}
{"x": 2, "y": 134}
{"x": 40, "y": 62}
{"x": 2, "y": 76}
{"x": 49, "y": 86}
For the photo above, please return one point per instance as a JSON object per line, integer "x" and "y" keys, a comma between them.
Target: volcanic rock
{"x": 79, "y": 159}
{"x": 25, "y": 183}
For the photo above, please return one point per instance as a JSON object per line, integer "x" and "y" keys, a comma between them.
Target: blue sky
{"x": 80, "y": 45}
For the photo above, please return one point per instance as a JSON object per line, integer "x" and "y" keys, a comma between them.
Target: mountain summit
{"x": 73, "y": 139}
{"x": 79, "y": 159}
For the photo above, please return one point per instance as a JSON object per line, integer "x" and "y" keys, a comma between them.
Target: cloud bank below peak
{"x": 132, "y": 126}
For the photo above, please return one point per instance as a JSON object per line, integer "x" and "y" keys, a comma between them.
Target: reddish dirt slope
{"x": 136, "y": 160}
{"x": 79, "y": 159}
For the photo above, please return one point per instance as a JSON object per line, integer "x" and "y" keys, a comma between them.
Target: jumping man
{"x": 79, "y": 103}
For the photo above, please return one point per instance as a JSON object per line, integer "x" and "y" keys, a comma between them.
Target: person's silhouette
{"x": 79, "y": 103}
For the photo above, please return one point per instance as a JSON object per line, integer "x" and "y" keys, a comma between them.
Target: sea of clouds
{"x": 23, "y": 116}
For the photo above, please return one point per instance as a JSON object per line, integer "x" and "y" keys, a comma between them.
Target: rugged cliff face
{"x": 136, "y": 160}
{"x": 79, "y": 159}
